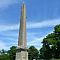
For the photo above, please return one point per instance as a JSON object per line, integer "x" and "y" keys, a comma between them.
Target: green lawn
{"x": 57, "y": 59}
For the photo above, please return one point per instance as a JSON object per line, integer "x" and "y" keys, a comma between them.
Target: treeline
{"x": 11, "y": 54}
{"x": 50, "y": 48}
{"x": 8, "y": 55}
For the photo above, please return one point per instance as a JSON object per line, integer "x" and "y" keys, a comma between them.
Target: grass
{"x": 57, "y": 59}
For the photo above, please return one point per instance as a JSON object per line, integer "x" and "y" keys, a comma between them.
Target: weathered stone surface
{"x": 22, "y": 33}
{"x": 19, "y": 47}
{"x": 22, "y": 50}
{"x": 23, "y": 55}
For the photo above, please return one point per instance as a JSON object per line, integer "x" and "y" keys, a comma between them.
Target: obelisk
{"x": 22, "y": 50}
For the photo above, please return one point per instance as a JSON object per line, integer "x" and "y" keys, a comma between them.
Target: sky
{"x": 42, "y": 17}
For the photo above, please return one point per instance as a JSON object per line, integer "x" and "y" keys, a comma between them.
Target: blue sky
{"x": 42, "y": 16}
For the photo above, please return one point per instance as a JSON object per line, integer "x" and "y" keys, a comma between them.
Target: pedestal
{"x": 22, "y": 54}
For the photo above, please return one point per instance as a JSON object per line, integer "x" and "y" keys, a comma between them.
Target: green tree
{"x": 3, "y": 51}
{"x": 32, "y": 53}
{"x": 12, "y": 53}
{"x": 4, "y": 57}
{"x": 51, "y": 45}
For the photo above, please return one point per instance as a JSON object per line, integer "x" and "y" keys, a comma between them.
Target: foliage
{"x": 51, "y": 45}
{"x": 12, "y": 53}
{"x": 8, "y": 55}
{"x": 4, "y": 57}
{"x": 32, "y": 53}
{"x": 3, "y": 51}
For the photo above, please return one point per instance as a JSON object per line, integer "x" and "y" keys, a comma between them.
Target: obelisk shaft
{"x": 22, "y": 31}
{"x": 22, "y": 50}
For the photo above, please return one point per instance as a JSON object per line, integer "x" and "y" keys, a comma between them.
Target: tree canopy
{"x": 32, "y": 53}
{"x": 51, "y": 45}
{"x": 12, "y": 53}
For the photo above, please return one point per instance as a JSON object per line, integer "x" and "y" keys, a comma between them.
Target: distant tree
{"x": 33, "y": 53}
{"x": 3, "y": 51}
{"x": 51, "y": 45}
{"x": 4, "y": 57}
{"x": 12, "y": 53}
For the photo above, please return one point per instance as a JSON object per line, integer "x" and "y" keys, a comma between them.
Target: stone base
{"x": 21, "y": 54}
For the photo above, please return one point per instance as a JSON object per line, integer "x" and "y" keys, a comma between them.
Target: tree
{"x": 12, "y": 53}
{"x": 4, "y": 57}
{"x": 32, "y": 53}
{"x": 51, "y": 45}
{"x": 3, "y": 51}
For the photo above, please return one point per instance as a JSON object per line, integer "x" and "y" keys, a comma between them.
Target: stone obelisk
{"x": 22, "y": 50}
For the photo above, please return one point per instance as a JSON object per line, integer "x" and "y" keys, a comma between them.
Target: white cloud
{"x": 46, "y": 23}
{"x": 36, "y": 41}
{"x": 14, "y": 41}
{"x": 10, "y": 39}
{"x": 9, "y": 34}
{"x": 3, "y": 45}
{"x": 6, "y": 27}
{"x": 6, "y": 3}
{"x": 10, "y": 42}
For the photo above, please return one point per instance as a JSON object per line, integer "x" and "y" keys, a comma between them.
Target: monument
{"x": 22, "y": 50}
